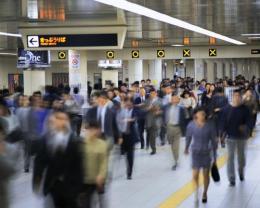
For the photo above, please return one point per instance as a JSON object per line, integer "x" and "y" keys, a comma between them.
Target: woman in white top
{"x": 188, "y": 102}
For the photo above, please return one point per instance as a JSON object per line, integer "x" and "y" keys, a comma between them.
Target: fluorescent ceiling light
{"x": 253, "y": 38}
{"x": 256, "y": 34}
{"x": 8, "y": 54}
{"x": 10, "y": 34}
{"x": 177, "y": 45}
{"x": 144, "y": 11}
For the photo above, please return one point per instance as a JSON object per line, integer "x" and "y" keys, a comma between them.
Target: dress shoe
{"x": 153, "y": 153}
{"x": 232, "y": 183}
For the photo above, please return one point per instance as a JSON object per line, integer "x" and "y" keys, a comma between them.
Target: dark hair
{"x": 92, "y": 125}
{"x": 200, "y": 109}
{"x": 103, "y": 94}
{"x": 76, "y": 90}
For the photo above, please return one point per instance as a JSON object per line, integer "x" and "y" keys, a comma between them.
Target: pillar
{"x": 78, "y": 71}
{"x": 227, "y": 72}
{"x": 189, "y": 64}
{"x": 33, "y": 81}
{"x": 155, "y": 72}
{"x": 220, "y": 74}
{"x": 199, "y": 69}
{"x": 135, "y": 70}
{"x": 145, "y": 69}
{"x": 241, "y": 67}
{"x": 170, "y": 69}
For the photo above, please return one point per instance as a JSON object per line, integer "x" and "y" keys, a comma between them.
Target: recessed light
{"x": 144, "y": 11}
{"x": 8, "y": 54}
{"x": 11, "y": 34}
{"x": 177, "y": 45}
{"x": 253, "y": 38}
{"x": 253, "y": 34}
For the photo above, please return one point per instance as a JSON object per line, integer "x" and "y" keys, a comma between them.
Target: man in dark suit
{"x": 59, "y": 157}
{"x": 140, "y": 108}
{"x": 174, "y": 116}
{"x": 105, "y": 114}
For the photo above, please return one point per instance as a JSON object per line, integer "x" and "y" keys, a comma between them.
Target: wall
{"x": 7, "y": 66}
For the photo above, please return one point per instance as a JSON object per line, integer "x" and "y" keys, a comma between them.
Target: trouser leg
{"x": 152, "y": 138}
{"x": 162, "y": 134}
{"x": 130, "y": 160}
{"x": 141, "y": 132}
{"x": 27, "y": 154}
{"x": 231, "y": 147}
{"x": 241, "y": 156}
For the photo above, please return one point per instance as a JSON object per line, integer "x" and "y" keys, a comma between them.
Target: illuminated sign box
{"x": 33, "y": 59}
{"x": 72, "y": 40}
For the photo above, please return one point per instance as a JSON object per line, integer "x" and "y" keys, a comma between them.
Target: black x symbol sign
{"x": 212, "y": 52}
{"x": 186, "y": 53}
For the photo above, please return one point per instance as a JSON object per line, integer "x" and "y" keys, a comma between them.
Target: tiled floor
{"x": 154, "y": 181}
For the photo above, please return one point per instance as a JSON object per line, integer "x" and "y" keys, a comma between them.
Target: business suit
{"x": 174, "y": 116}
{"x": 63, "y": 178}
{"x": 153, "y": 121}
{"x": 130, "y": 135}
{"x": 141, "y": 120}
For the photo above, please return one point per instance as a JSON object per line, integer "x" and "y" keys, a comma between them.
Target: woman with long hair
{"x": 201, "y": 139}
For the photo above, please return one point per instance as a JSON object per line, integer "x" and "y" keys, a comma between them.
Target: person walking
{"x": 175, "y": 122}
{"x": 201, "y": 138}
{"x": 236, "y": 124}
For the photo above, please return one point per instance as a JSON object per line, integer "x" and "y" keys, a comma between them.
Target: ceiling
{"x": 227, "y": 17}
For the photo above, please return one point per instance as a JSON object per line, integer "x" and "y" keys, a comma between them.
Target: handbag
{"x": 215, "y": 173}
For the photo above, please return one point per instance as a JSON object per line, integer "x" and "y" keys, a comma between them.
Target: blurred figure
{"x": 126, "y": 121}
{"x": 22, "y": 113}
{"x": 236, "y": 123}
{"x": 251, "y": 103}
{"x": 201, "y": 136}
{"x": 175, "y": 121}
{"x": 8, "y": 164}
{"x": 73, "y": 108}
{"x": 153, "y": 118}
{"x": 95, "y": 163}
{"x": 140, "y": 106}
{"x": 59, "y": 158}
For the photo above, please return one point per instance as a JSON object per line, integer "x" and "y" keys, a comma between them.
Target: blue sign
{"x": 33, "y": 59}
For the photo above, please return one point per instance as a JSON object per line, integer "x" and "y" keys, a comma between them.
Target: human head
{"x": 142, "y": 92}
{"x": 200, "y": 115}
{"x": 76, "y": 90}
{"x": 237, "y": 99}
{"x": 153, "y": 93}
{"x": 59, "y": 121}
{"x": 175, "y": 99}
{"x": 92, "y": 130}
{"x": 102, "y": 98}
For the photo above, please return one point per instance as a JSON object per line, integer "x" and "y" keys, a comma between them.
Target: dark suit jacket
{"x": 63, "y": 168}
{"x": 110, "y": 128}
{"x": 182, "y": 117}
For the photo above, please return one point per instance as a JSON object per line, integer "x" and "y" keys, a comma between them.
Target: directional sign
{"x": 110, "y": 54}
{"x": 72, "y": 40}
{"x": 160, "y": 53}
{"x": 255, "y": 51}
{"x": 62, "y": 55}
{"x": 212, "y": 52}
{"x": 135, "y": 54}
{"x": 33, "y": 41}
{"x": 186, "y": 53}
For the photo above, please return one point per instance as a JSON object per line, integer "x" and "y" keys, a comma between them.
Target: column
{"x": 227, "y": 72}
{"x": 189, "y": 64}
{"x": 220, "y": 74}
{"x": 33, "y": 81}
{"x": 199, "y": 69}
{"x": 155, "y": 72}
{"x": 240, "y": 67}
{"x": 170, "y": 69}
{"x": 210, "y": 71}
{"x": 135, "y": 71}
{"x": 145, "y": 69}
{"x": 78, "y": 71}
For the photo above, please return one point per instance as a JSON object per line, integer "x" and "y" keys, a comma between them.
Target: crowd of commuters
{"x": 72, "y": 148}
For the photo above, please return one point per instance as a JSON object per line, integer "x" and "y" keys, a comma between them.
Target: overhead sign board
{"x": 212, "y": 52}
{"x": 186, "y": 53}
{"x": 72, "y": 40}
{"x": 33, "y": 59}
{"x": 160, "y": 53}
{"x": 255, "y": 51}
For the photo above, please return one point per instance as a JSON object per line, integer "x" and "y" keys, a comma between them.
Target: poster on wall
{"x": 74, "y": 61}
